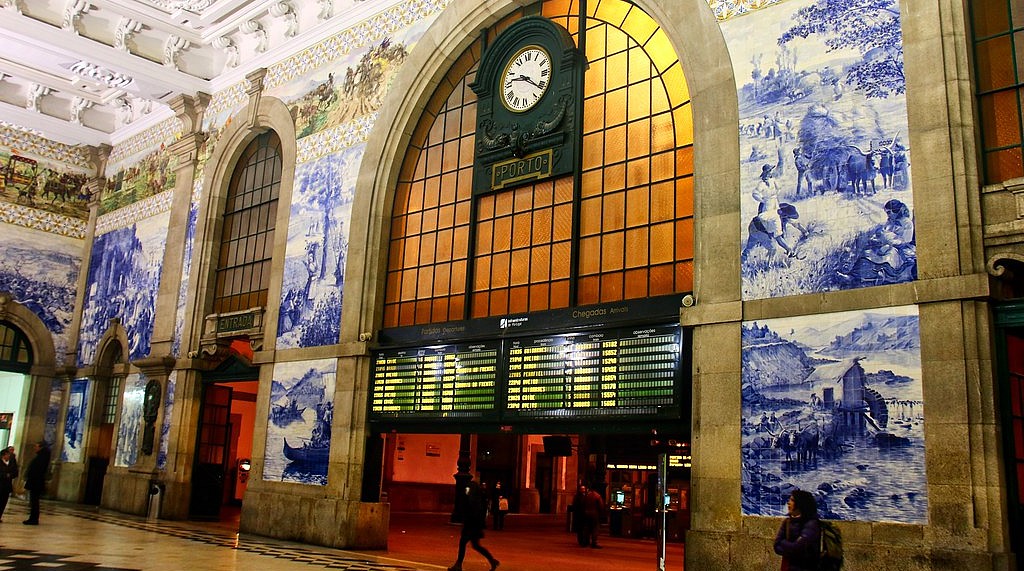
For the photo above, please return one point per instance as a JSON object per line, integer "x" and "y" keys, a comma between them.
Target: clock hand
{"x": 528, "y": 80}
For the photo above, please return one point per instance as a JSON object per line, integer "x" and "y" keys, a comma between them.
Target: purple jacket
{"x": 798, "y": 542}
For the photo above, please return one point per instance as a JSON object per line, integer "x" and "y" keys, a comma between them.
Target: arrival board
{"x": 630, "y": 371}
{"x": 441, "y": 381}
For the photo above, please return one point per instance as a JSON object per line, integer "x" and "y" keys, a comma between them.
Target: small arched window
{"x": 247, "y": 241}
{"x": 15, "y": 351}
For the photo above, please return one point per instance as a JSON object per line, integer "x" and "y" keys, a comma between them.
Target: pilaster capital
{"x": 189, "y": 109}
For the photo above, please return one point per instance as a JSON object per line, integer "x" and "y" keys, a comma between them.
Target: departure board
{"x": 441, "y": 381}
{"x": 616, "y": 372}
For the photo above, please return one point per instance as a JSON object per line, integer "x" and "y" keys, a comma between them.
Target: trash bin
{"x": 156, "y": 497}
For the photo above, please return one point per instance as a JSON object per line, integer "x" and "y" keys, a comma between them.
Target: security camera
{"x": 365, "y": 336}
{"x": 688, "y": 300}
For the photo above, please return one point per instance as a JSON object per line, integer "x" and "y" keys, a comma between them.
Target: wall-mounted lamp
{"x": 244, "y": 466}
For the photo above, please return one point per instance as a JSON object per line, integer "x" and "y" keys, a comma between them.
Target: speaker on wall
{"x": 557, "y": 446}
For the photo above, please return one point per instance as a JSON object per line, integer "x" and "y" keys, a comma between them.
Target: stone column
{"x": 189, "y": 110}
{"x": 94, "y": 186}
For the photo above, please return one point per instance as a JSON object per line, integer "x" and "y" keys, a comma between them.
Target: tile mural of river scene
{"x": 826, "y": 195}
{"x": 832, "y": 404}
{"x": 299, "y": 427}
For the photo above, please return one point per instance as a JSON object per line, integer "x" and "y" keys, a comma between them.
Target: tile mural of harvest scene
{"x": 299, "y": 427}
{"x": 824, "y": 154}
{"x": 832, "y": 404}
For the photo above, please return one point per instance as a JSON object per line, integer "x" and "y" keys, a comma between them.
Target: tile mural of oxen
{"x": 832, "y": 404}
{"x": 826, "y": 197}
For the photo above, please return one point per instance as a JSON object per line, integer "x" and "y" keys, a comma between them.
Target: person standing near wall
{"x": 8, "y": 475}
{"x": 587, "y": 508}
{"x": 499, "y": 507}
{"x": 35, "y": 480}
{"x": 799, "y": 537}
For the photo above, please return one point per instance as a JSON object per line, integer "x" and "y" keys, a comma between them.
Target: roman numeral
{"x": 545, "y": 72}
{"x": 509, "y": 95}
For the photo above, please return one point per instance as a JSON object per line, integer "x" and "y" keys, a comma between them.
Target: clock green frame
{"x": 522, "y": 147}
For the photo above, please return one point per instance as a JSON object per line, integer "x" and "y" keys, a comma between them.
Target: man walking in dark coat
{"x": 35, "y": 480}
{"x": 474, "y": 520}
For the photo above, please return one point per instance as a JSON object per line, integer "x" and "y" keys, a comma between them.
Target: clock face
{"x": 526, "y": 78}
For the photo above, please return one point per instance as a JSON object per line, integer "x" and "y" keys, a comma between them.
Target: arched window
{"x": 247, "y": 241}
{"x": 625, "y": 233}
{"x": 15, "y": 351}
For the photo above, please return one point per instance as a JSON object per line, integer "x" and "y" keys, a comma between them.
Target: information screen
{"x": 441, "y": 381}
{"x": 632, "y": 371}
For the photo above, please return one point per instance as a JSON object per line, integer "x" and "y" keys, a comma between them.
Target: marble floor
{"x": 73, "y": 537}
{"x": 70, "y": 538}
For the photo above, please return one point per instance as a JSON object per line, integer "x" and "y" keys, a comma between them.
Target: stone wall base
{"x": 713, "y": 551}
{"x": 329, "y": 522}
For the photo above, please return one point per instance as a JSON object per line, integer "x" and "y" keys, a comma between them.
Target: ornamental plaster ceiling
{"x": 95, "y": 72}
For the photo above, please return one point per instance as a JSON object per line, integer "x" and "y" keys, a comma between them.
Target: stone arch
{"x": 701, "y": 48}
{"x": 44, "y": 354}
{"x": 115, "y": 333}
{"x": 262, "y": 114}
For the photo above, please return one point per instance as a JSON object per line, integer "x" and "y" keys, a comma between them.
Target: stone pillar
{"x": 94, "y": 186}
{"x": 189, "y": 110}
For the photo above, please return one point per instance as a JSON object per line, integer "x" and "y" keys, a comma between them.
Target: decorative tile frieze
{"x": 362, "y": 34}
{"x": 140, "y": 210}
{"x": 135, "y": 148}
{"x": 333, "y": 140}
{"x": 223, "y": 104}
{"x": 41, "y": 220}
{"x": 725, "y": 9}
{"x": 23, "y": 142}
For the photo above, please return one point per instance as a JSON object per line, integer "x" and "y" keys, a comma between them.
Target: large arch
{"x": 260, "y": 115}
{"x": 702, "y": 51}
{"x": 701, "y": 48}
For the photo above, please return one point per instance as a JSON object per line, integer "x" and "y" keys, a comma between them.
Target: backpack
{"x": 831, "y": 558}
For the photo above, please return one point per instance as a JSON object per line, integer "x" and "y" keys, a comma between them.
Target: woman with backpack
{"x": 799, "y": 537}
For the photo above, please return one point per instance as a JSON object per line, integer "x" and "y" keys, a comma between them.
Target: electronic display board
{"x": 621, "y": 372}
{"x": 440, "y": 381}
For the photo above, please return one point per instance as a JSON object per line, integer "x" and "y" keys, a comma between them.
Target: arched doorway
{"x": 15, "y": 362}
{"x": 224, "y": 440}
{"x": 110, "y": 375}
